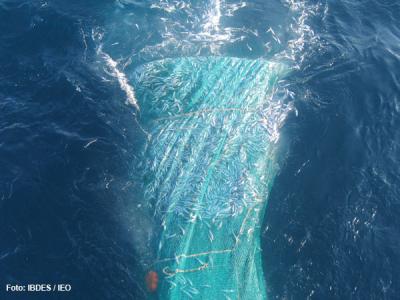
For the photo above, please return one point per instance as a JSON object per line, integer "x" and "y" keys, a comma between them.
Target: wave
{"x": 121, "y": 78}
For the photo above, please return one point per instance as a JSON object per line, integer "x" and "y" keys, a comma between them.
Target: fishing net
{"x": 208, "y": 168}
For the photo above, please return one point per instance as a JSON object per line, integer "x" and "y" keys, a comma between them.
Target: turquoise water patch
{"x": 208, "y": 168}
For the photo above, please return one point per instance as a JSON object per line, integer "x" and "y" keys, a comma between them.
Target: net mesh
{"x": 208, "y": 168}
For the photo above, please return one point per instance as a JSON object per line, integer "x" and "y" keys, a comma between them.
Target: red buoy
{"x": 152, "y": 281}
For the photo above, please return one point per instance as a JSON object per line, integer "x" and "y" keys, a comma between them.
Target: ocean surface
{"x": 70, "y": 135}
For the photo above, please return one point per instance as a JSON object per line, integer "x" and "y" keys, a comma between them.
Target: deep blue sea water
{"x": 69, "y": 134}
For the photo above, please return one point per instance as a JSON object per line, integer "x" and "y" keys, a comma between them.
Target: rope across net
{"x": 208, "y": 166}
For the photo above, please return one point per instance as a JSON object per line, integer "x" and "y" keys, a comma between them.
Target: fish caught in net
{"x": 209, "y": 164}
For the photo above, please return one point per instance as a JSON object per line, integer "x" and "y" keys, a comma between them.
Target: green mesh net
{"x": 208, "y": 168}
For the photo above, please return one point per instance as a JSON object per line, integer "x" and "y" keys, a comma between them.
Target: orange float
{"x": 152, "y": 281}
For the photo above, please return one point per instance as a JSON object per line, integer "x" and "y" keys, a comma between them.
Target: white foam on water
{"x": 214, "y": 16}
{"x": 303, "y": 35}
{"x": 121, "y": 77}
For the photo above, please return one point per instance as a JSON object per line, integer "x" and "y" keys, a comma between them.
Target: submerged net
{"x": 208, "y": 168}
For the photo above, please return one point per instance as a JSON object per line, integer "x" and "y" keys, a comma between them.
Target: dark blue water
{"x": 69, "y": 134}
